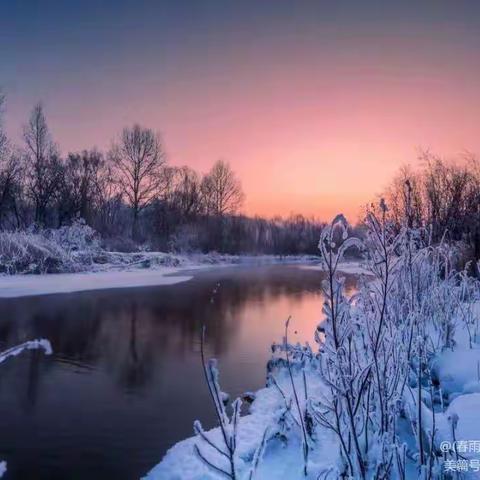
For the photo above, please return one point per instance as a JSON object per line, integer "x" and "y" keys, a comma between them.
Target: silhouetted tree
{"x": 43, "y": 165}
{"x": 179, "y": 209}
{"x": 222, "y": 191}
{"x": 186, "y": 198}
{"x": 10, "y": 174}
{"x": 81, "y": 183}
{"x": 138, "y": 159}
{"x": 3, "y": 135}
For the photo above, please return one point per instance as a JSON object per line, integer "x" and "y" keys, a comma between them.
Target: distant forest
{"x": 132, "y": 196}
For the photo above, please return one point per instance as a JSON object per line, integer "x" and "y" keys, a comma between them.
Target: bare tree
{"x": 3, "y": 135}
{"x": 186, "y": 195}
{"x": 404, "y": 198}
{"x": 109, "y": 202}
{"x": 82, "y": 178}
{"x": 9, "y": 173}
{"x": 222, "y": 191}
{"x": 43, "y": 165}
{"x": 138, "y": 159}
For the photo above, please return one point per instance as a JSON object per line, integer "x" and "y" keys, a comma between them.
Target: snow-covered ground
{"x": 281, "y": 458}
{"x": 78, "y": 248}
{"x": 29, "y": 285}
{"x": 457, "y": 370}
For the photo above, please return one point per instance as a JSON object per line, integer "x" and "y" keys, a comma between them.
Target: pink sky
{"x": 312, "y": 124}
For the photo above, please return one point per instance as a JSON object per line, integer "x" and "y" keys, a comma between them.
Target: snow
{"x": 12, "y": 286}
{"x": 41, "y": 344}
{"x": 181, "y": 462}
{"x": 78, "y": 249}
{"x": 458, "y": 371}
{"x": 428, "y": 377}
{"x": 466, "y": 408}
{"x": 71, "y": 259}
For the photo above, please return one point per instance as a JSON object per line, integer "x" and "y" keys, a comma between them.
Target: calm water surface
{"x": 125, "y": 381}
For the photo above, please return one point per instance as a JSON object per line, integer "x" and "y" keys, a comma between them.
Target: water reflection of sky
{"x": 125, "y": 382}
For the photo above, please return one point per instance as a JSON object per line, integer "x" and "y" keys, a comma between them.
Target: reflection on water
{"x": 125, "y": 381}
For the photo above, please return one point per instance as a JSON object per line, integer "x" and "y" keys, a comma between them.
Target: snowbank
{"x": 29, "y": 285}
{"x": 182, "y": 463}
{"x": 456, "y": 370}
{"x": 77, "y": 248}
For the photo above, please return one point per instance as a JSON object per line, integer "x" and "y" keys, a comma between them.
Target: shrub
{"x": 22, "y": 252}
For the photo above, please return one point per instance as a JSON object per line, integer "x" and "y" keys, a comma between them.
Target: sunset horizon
{"x": 324, "y": 102}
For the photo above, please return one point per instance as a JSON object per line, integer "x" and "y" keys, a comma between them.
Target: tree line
{"x": 131, "y": 196}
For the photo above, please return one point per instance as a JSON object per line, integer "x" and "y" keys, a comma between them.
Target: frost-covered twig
{"x": 301, "y": 414}
{"x": 257, "y": 456}
{"x": 42, "y": 344}
{"x": 228, "y": 425}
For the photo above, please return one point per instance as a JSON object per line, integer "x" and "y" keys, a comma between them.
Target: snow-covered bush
{"x": 75, "y": 237}
{"x": 122, "y": 244}
{"x": 22, "y": 252}
{"x": 67, "y": 249}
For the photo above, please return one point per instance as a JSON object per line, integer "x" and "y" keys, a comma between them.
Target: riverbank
{"x": 110, "y": 270}
{"x": 455, "y": 423}
{"x": 14, "y": 286}
{"x": 391, "y": 390}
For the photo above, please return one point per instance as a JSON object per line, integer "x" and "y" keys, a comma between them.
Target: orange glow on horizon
{"x": 314, "y": 129}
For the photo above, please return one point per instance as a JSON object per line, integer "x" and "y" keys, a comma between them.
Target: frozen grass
{"x": 22, "y": 252}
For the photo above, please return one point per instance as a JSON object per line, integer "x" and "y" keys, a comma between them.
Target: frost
{"x": 41, "y": 344}
{"x": 219, "y": 456}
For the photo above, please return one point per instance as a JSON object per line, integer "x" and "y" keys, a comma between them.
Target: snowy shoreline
{"x": 146, "y": 271}
{"x": 14, "y": 286}
{"x": 390, "y": 390}
{"x": 455, "y": 369}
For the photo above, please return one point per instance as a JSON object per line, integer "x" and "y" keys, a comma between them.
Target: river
{"x": 125, "y": 381}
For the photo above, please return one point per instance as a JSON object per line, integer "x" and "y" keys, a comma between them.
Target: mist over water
{"x": 125, "y": 380}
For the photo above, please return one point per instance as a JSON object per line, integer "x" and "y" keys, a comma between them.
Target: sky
{"x": 315, "y": 104}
